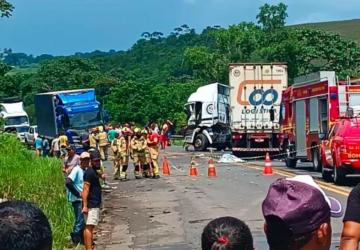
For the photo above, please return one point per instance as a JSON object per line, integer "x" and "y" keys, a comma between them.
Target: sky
{"x": 63, "y": 27}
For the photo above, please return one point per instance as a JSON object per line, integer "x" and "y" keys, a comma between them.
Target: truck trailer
{"x": 255, "y": 98}
{"x": 208, "y": 111}
{"x": 71, "y": 111}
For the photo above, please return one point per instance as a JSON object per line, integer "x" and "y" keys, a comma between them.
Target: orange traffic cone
{"x": 165, "y": 167}
{"x": 193, "y": 171}
{"x": 211, "y": 169}
{"x": 267, "y": 167}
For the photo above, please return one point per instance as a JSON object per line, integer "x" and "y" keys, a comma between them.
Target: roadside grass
{"x": 177, "y": 141}
{"x": 24, "y": 176}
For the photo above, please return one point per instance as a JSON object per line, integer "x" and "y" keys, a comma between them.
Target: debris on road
{"x": 229, "y": 158}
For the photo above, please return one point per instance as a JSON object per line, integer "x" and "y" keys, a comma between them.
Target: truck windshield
{"x": 16, "y": 120}
{"x": 85, "y": 120}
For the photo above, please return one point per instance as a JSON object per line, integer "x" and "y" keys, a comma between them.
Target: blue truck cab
{"x": 71, "y": 111}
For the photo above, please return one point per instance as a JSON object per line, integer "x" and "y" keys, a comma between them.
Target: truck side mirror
{"x": 272, "y": 114}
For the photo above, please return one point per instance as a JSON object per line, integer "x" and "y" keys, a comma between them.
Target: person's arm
{"x": 85, "y": 195}
{"x": 350, "y": 236}
{"x": 71, "y": 187}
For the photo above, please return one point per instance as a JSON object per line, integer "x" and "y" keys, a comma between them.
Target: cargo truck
{"x": 71, "y": 111}
{"x": 208, "y": 111}
{"x": 255, "y": 103}
{"x": 15, "y": 118}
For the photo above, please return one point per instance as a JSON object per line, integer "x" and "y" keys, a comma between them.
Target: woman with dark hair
{"x": 226, "y": 233}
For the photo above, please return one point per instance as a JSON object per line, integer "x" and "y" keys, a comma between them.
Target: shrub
{"x": 24, "y": 176}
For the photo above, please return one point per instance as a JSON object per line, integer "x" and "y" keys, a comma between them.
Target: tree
{"x": 272, "y": 17}
{"x": 6, "y": 8}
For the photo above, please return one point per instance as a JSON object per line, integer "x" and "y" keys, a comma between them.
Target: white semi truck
{"x": 15, "y": 118}
{"x": 255, "y": 104}
{"x": 208, "y": 111}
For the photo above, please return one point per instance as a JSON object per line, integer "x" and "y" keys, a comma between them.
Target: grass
{"x": 349, "y": 29}
{"x": 27, "y": 177}
{"x": 24, "y": 70}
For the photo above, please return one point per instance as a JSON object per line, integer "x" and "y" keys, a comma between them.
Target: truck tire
{"x": 290, "y": 162}
{"x": 339, "y": 177}
{"x": 316, "y": 161}
{"x": 201, "y": 142}
{"x": 326, "y": 175}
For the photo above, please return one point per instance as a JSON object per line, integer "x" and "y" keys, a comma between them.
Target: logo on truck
{"x": 258, "y": 96}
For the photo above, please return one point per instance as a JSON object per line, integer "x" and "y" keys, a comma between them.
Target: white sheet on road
{"x": 229, "y": 158}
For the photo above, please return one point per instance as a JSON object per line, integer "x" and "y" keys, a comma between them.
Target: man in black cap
{"x": 91, "y": 197}
{"x": 297, "y": 215}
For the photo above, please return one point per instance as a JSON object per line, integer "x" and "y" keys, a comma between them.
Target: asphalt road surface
{"x": 171, "y": 212}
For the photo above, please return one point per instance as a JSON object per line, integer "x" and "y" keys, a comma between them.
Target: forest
{"x": 153, "y": 79}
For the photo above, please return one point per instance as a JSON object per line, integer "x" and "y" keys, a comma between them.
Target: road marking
{"x": 322, "y": 184}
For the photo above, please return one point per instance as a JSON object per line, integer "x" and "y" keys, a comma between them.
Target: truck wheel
{"x": 316, "y": 160}
{"x": 201, "y": 142}
{"x": 290, "y": 162}
{"x": 339, "y": 177}
{"x": 326, "y": 175}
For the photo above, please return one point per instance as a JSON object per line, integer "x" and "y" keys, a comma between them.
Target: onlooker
{"x": 45, "y": 147}
{"x": 71, "y": 160}
{"x": 55, "y": 147}
{"x": 74, "y": 184}
{"x": 226, "y": 233}
{"x": 350, "y": 236}
{"x": 63, "y": 142}
{"x": 38, "y": 145}
{"x": 91, "y": 197}
{"x": 297, "y": 214}
{"x": 23, "y": 226}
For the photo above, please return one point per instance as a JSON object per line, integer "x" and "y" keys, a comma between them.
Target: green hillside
{"x": 349, "y": 29}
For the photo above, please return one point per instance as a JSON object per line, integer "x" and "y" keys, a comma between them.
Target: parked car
{"x": 340, "y": 151}
{"x": 30, "y": 136}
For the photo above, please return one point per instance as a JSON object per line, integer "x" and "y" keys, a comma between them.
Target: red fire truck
{"x": 309, "y": 109}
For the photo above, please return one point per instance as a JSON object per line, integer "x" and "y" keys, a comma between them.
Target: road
{"x": 171, "y": 212}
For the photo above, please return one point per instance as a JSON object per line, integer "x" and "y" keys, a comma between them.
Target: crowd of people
{"x": 297, "y": 216}
{"x": 85, "y": 176}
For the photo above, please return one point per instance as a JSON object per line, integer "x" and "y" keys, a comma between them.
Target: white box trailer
{"x": 255, "y": 99}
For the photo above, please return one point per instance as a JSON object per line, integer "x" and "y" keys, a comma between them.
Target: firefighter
{"x": 138, "y": 146}
{"x": 103, "y": 143}
{"x": 124, "y": 151}
{"x": 147, "y": 167}
{"x": 153, "y": 146}
{"x": 93, "y": 138}
{"x": 116, "y": 159}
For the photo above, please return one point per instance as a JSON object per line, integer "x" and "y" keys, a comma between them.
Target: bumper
{"x": 351, "y": 168}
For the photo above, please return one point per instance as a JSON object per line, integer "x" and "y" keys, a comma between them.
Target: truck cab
{"x": 71, "y": 111}
{"x": 208, "y": 111}
{"x": 15, "y": 118}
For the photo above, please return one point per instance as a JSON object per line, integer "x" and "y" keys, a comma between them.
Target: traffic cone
{"x": 165, "y": 167}
{"x": 267, "y": 166}
{"x": 193, "y": 171}
{"x": 211, "y": 169}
